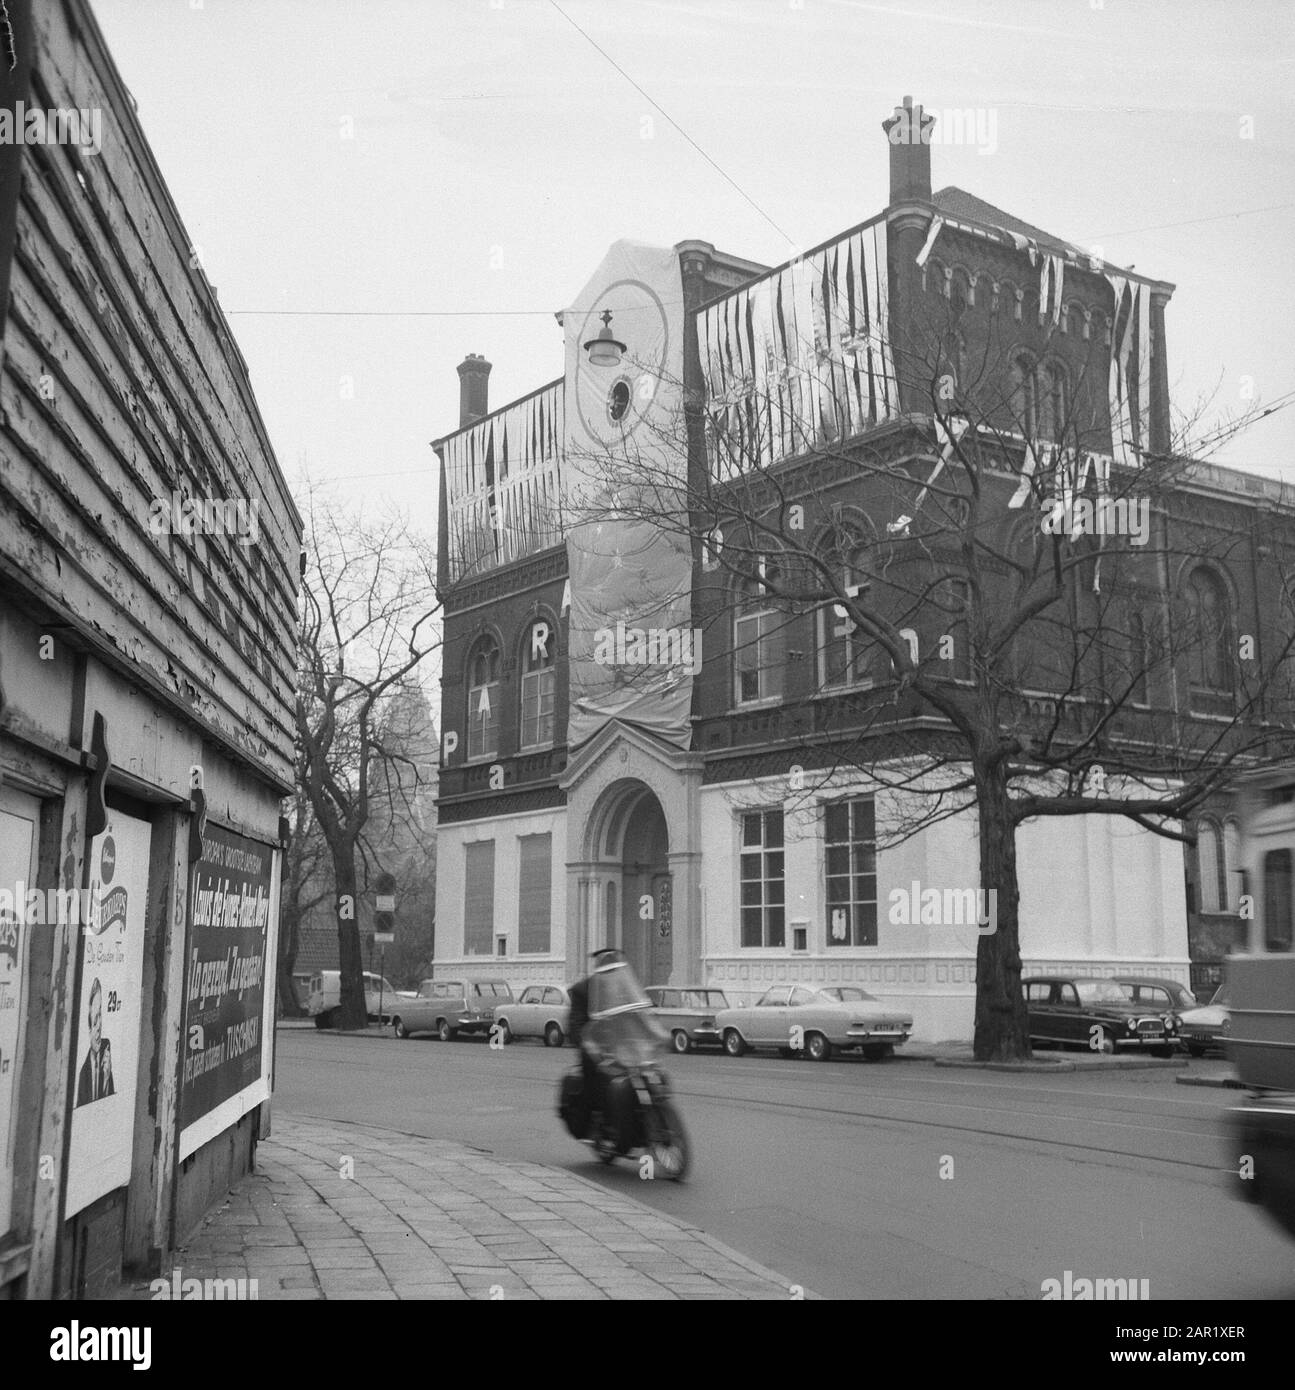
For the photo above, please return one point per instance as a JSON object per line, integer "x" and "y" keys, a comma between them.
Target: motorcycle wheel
{"x": 669, "y": 1146}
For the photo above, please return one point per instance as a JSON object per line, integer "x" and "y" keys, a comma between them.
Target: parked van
{"x": 380, "y": 997}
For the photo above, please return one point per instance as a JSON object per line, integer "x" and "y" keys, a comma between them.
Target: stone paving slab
{"x": 430, "y": 1219}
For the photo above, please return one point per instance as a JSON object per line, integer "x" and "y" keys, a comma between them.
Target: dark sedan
{"x": 1150, "y": 991}
{"x": 1096, "y": 1014}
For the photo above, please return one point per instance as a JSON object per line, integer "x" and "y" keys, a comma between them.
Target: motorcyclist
{"x": 578, "y": 1025}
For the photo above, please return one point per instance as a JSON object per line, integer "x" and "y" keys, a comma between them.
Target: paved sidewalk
{"x": 424, "y": 1218}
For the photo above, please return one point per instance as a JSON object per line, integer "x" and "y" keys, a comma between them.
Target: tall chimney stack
{"x": 474, "y": 382}
{"x": 909, "y": 133}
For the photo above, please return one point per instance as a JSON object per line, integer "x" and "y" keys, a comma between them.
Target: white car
{"x": 1207, "y": 1026}
{"x": 800, "y": 1020}
{"x": 326, "y": 994}
{"x": 539, "y": 1011}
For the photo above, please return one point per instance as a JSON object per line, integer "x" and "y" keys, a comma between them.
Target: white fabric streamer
{"x": 936, "y": 223}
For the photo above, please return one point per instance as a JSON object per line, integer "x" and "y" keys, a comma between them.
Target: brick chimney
{"x": 909, "y": 133}
{"x": 474, "y": 382}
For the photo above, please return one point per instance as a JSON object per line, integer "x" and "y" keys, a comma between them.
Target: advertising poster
{"x": 232, "y": 903}
{"x": 107, "y": 1025}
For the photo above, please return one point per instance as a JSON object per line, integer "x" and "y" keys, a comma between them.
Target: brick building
{"x": 578, "y": 808}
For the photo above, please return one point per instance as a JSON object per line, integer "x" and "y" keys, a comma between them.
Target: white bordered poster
{"x": 108, "y": 1018}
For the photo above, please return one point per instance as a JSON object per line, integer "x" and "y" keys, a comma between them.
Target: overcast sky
{"x": 461, "y": 166}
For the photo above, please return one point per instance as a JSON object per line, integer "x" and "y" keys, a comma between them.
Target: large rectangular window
{"x": 850, "y": 835}
{"x": 534, "y": 892}
{"x": 479, "y": 898}
{"x": 763, "y": 886}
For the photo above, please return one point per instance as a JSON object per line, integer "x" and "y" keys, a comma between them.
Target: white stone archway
{"x": 610, "y": 777}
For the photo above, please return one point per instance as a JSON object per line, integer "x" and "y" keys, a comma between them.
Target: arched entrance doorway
{"x": 634, "y": 854}
{"x": 631, "y": 844}
{"x": 645, "y": 891}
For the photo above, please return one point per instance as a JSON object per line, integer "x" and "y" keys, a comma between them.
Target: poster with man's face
{"x": 107, "y": 1041}
{"x": 94, "y": 1080}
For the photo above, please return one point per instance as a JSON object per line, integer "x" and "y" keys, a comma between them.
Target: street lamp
{"x": 604, "y": 350}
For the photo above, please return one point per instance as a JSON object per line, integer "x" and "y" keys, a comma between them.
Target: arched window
{"x": 757, "y": 637}
{"x": 1209, "y": 865}
{"x": 1139, "y": 659}
{"x": 1024, "y": 395}
{"x": 539, "y": 684}
{"x": 842, "y": 648}
{"x": 483, "y": 699}
{"x": 1231, "y": 866}
{"x": 1052, "y": 400}
{"x": 1211, "y": 631}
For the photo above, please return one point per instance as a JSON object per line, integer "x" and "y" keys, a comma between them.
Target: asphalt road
{"x": 831, "y": 1173}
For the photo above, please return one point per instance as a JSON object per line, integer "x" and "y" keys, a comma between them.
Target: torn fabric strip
{"x": 934, "y": 231}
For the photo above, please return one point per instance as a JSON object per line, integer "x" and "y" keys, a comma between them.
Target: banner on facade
{"x": 107, "y": 1027}
{"x": 633, "y": 651}
{"x": 233, "y": 892}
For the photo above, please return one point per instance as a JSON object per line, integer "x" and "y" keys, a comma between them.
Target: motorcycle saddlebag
{"x": 571, "y": 1105}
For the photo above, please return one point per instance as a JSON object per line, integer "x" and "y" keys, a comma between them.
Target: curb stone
{"x": 1067, "y": 1064}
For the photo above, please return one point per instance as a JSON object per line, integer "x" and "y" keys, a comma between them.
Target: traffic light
{"x": 384, "y": 910}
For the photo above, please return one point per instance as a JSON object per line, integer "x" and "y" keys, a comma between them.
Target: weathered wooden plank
{"x": 52, "y": 963}
{"x": 104, "y": 283}
{"x": 97, "y": 587}
{"x": 82, "y": 379}
{"x": 162, "y": 1001}
{"x": 134, "y": 206}
{"x": 76, "y": 504}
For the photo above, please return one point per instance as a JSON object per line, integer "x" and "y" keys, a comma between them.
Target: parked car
{"x": 1096, "y": 1014}
{"x": 539, "y": 1011}
{"x": 1207, "y": 1026}
{"x": 1150, "y": 992}
{"x": 688, "y": 1014}
{"x": 796, "y": 1017}
{"x": 450, "y": 1007}
{"x": 380, "y": 997}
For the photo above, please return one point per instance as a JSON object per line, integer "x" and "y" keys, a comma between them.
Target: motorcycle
{"x": 634, "y": 1112}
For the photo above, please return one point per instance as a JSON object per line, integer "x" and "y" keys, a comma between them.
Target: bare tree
{"x": 305, "y": 886}
{"x": 368, "y": 620}
{"x": 401, "y": 834}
